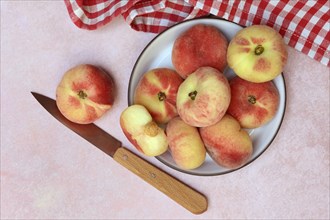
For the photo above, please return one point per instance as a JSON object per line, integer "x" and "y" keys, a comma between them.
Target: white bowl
{"x": 158, "y": 54}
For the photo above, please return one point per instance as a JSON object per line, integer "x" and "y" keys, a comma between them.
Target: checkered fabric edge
{"x": 304, "y": 24}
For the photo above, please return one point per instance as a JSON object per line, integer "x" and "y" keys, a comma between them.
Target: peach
{"x": 201, "y": 45}
{"x": 203, "y": 97}
{"x": 185, "y": 144}
{"x": 139, "y": 128}
{"x": 227, "y": 143}
{"x": 257, "y": 53}
{"x": 253, "y": 104}
{"x": 84, "y": 94}
{"x": 157, "y": 90}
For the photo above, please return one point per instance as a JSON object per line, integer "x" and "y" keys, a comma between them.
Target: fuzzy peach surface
{"x": 200, "y": 45}
{"x": 257, "y": 53}
{"x": 48, "y": 172}
{"x": 157, "y": 90}
{"x": 186, "y": 145}
{"x": 253, "y": 104}
{"x": 227, "y": 143}
{"x": 84, "y": 94}
{"x": 212, "y": 97}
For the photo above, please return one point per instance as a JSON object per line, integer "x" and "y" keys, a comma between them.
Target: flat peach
{"x": 253, "y": 104}
{"x": 201, "y": 45}
{"x": 257, "y": 53}
{"x": 185, "y": 144}
{"x": 227, "y": 144}
{"x": 85, "y": 94}
{"x": 203, "y": 97}
{"x": 157, "y": 91}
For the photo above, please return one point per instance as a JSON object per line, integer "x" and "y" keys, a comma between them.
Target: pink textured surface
{"x": 48, "y": 172}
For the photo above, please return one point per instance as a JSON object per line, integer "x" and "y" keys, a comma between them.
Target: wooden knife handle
{"x": 187, "y": 197}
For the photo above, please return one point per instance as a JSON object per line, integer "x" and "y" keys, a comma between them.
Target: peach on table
{"x": 85, "y": 94}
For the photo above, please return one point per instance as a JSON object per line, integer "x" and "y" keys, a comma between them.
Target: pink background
{"x": 48, "y": 172}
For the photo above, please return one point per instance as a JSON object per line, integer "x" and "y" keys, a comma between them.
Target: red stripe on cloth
{"x": 261, "y": 8}
{"x": 289, "y": 17}
{"x": 245, "y": 12}
{"x": 104, "y": 10}
{"x": 302, "y": 26}
{"x": 233, "y": 10}
{"x": 144, "y": 7}
{"x": 92, "y": 21}
{"x": 149, "y": 28}
{"x": 206, "y": 5}
{"x": 90, "y": 2}
{"x": 198, "y": 13}
{"x": 223, "y": 8}
{"x": 76, "y": 20}
{"x": 169, "y": 14}
{"x": 314, "y": 33}
{"x": 276, "y": 12}
{"x": 322, "y": 50}
{"x": 217, "y": 7}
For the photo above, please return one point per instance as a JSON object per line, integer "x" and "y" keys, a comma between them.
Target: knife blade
{"x": 178, "y": 191}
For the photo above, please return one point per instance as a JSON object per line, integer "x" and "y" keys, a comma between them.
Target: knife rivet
{"x": 125, "y": 157}
{"x": 152, "y": 175}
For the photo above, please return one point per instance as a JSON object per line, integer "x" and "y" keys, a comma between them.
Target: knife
{"x": 181, "y": 193}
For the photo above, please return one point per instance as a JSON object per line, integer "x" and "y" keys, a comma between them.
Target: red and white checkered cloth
{"x": 304, "y": 24}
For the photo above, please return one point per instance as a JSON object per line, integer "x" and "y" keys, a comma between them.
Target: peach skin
{"x": 253, "y": 104}
{"x": 257, "y": 53}
{"x": 84, "y": 94}
{"x": 201, "y": 45}
{"x": 227, "y": 143}
{"x": 185, "y": 144}
{"x": 203, "y": 97}
{"x": 157, "y": 91}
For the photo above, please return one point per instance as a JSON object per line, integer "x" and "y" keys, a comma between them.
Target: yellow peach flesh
{"x": 142, "y": 131}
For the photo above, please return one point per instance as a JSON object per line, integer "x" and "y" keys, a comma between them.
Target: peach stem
{"x": 161, "y": 96}
{"x": 252, "y": 99}
{"x": 193, "y": 95}
{"x": 82, "y": 94}
{"x": 259, "y": 50}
